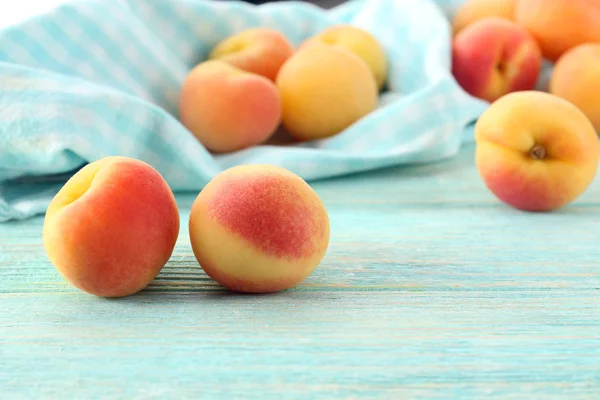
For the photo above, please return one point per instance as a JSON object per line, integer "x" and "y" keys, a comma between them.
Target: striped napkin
{"x": 89, "y": 79}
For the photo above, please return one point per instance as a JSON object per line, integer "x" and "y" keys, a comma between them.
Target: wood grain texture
{"x": 431, "y": 289}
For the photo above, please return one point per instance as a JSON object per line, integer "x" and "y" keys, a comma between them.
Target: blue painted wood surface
{"x": 430, "y": 289}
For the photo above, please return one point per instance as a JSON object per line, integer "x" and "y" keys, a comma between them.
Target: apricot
{"x": 324, "y": 89}
{"x": 360, "y": 42}
{"x": 559, "y": 25}
{"x": 536, "y": 151}
{"x": 473, "y": 10}
{"x": 576, "y": 78}
{"x": 258, "y": 50}
{"x": 228, "y": 109}
{"x": 112, "y": 227}
{"x": 493, "y": 57}
{"x": 258, "y": 229}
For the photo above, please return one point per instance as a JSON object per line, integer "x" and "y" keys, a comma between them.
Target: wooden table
{"x": 430, "y": 289}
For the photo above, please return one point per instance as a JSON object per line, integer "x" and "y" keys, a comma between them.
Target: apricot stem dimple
{"x": 537, "y": 152}
{"x": 501, "y": 68}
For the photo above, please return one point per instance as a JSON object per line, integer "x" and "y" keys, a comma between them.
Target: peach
{"x": 259, "y": 50}
{"x": 536, "y": 151}
{"x": 493, "y": 57}
{"x": 258, "y": 229}
{"x": 324, "y": 89}
{"x": 559, "y": 25}
{"x": 228, "y": 109}
{"x": 474, "y": 10}
{"x": 576, "y": 78}
{"x": 112, "y": 227}
{"x": 360, "y": 42}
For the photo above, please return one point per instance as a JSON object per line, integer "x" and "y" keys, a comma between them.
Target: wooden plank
{"x": 430, "y": 289}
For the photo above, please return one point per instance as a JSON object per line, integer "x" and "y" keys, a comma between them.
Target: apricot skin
{"x": 358, "y": 41}
{"x": 576, "y": 78}
{"x": 228, "y": 109}
{"x": 324, "y": 89}
{"x": 112, "y": 227}
{"x": 559, "y": 25}
{"x": 536, "y": 151}
{"x": 258, "y": 229}
{"x": 474, "y": 10}
{"x": 259, "y": 50}
{"x": 493, "y": 57}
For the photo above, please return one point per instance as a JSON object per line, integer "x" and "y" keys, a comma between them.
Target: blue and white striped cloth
{"x": 95, "y": 78}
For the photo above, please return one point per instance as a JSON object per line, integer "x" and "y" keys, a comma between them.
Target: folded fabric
{"x": 96, "y": 78}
